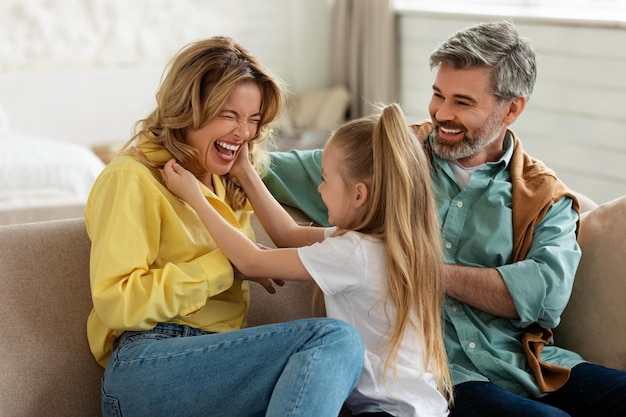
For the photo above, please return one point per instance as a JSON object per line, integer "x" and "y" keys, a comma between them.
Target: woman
{"x": 168, "y": 306}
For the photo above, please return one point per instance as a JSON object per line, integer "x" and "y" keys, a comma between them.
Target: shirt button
{"x": 455, "y": 308}
{"x": 232, "y": 326}
{"x": 448, "y": 245}
{"x": 221, "y": 286}
{"x": 472, "y": 345}
{"x": 459, "y": 204}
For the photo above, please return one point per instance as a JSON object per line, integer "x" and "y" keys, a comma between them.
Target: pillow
{"x": 594, "y": 322}
{"x": 319, "y": 109}
{"x": 586, "y": 203}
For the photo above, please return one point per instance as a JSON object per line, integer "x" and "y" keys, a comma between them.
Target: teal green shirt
{"x": 477, "y": 230}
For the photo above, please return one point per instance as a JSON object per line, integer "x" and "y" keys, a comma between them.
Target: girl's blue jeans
{"x": 299, "y": 368}
{"x": 591, "y": 391}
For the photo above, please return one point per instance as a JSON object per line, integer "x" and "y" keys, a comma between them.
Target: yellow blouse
{"x": 152, "y": 259}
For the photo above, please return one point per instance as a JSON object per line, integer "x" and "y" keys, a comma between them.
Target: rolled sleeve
{"x": 541, "y": 285}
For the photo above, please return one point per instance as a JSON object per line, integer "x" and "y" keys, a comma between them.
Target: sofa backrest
{"x": 47, "y": 368}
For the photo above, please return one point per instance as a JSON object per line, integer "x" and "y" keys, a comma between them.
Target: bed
{"x": 43, "y": 179}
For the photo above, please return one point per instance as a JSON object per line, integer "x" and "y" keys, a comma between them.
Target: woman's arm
{"x": 242, "y": 252}
{"x": 279, "y": 225}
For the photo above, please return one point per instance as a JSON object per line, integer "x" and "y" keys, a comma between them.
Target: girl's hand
{"x": 242, "y": 162}
{"x": 266, "y": 283}
{"x": 181, "y": 182}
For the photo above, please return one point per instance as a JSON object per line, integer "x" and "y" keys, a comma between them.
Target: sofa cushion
{"x": 593, "y": 322}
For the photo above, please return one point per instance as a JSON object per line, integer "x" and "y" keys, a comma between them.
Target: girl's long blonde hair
{"x": 383, "y": 151}
{"x": 196, "y": 84}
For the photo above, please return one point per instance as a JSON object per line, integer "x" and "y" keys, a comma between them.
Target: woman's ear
{"x": 360, "y": 194}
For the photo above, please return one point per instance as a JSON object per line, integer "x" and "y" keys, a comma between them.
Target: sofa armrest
{"x": 47, "y": 367}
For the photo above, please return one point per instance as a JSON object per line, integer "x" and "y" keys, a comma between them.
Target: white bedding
{"x": 43, "y": 179}
{"x": 30, "y": 163}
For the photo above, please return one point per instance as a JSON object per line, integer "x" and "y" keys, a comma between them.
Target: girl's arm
{"x": 279, "y": 225}
{"x": 242, "y": 252}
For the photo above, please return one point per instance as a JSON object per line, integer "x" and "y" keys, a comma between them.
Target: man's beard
{"x": 469, "y": 145}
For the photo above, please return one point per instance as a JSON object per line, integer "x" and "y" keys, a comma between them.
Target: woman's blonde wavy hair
{"x": 382, "y": 151}
{"x": 195, "y": 86}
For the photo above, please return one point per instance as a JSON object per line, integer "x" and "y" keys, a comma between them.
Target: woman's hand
{"x": 181, "y": 182}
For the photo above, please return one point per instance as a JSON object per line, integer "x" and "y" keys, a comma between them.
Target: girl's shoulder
{"x": 351, "y": 235}
{"x": 353, "y": 240}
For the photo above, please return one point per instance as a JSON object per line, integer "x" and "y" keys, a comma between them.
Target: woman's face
{"x": 219, "y": 141}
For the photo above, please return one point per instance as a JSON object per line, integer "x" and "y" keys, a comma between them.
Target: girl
{"x": 379, "y": 267}
{"x": 168, "y": 305}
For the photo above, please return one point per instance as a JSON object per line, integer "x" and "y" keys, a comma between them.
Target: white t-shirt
{"x": 351, "y": 271}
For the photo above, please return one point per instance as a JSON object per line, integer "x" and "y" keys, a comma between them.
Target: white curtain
{"x": 364, "y": 53}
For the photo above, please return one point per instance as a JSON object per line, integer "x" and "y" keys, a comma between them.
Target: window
{"x": 596, "y": 10}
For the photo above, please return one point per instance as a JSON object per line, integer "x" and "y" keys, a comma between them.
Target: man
{"x": 509, "y": 233}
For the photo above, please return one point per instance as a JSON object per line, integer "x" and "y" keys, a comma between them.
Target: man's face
{"x": 468, "y": 120}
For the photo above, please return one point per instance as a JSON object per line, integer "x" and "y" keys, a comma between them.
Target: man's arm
{"x": 541, "y": 284}
{"x": 293, "y": 180}
{"x": 481, "y": 288}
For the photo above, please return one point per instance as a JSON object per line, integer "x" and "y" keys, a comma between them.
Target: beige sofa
{"x": 47, "y": 369}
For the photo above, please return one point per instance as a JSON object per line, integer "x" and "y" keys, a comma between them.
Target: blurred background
{"x": 81, "y": 72}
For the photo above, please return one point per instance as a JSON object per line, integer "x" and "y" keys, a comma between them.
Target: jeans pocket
{"x": 110, "y": 405}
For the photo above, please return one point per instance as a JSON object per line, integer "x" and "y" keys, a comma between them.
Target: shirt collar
{"x": 507, "y": 146}
{"x": 153, "y": 151}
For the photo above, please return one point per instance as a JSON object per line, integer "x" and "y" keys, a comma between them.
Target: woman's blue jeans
{"x": 299, "y": 368}
{"x": 591, "y": 391}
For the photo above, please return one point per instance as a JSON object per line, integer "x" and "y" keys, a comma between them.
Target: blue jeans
{"x": 591, "y": 391}
{"x": 299, "y": 368}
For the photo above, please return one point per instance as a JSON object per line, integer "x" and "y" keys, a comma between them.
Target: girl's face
{"x": 219, "y": 141}
{"x": 336, "y": 193}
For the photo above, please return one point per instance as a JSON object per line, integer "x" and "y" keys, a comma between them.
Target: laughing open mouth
{"x": 450, "y": 131}
{"x": 227, "y": 150}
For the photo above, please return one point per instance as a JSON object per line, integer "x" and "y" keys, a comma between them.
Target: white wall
{"x": 84, "y": 70}
{"x": 576, "y": 119}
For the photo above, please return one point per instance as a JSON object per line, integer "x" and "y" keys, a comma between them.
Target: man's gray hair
{"x": 495, "y": 45}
